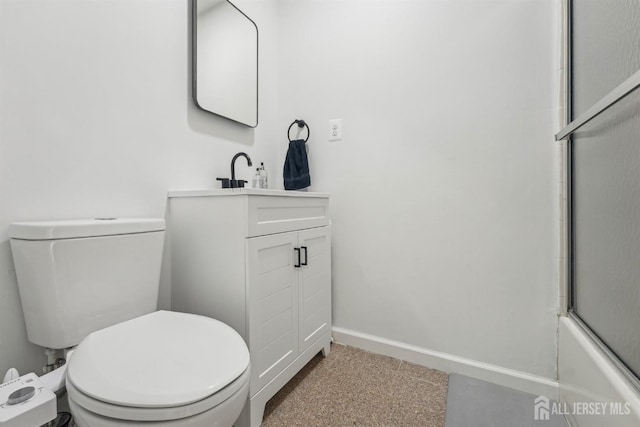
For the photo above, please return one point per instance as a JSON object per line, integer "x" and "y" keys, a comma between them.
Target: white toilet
{"x": 94, "y": 284}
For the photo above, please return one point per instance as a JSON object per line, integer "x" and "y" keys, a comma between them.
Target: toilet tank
{"x": 79, "y": 276}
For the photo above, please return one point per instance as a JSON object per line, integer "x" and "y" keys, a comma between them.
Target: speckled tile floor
{"x": 354, "y": 387}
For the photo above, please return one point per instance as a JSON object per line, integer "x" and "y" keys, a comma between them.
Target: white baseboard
{"x": 517, "y": 380}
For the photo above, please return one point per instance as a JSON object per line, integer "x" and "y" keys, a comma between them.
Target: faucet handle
{"x": 235, "y": 183}
{"x": 226, "y": 182}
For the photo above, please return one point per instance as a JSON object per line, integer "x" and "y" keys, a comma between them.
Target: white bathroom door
{"x": 273, "y": 305}
{"x": 315, "y": 285}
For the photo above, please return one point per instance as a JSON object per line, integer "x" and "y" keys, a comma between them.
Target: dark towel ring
{"x": 301, "y": 124}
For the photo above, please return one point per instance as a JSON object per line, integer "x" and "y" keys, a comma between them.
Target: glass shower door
{"x": 605, "y": 182}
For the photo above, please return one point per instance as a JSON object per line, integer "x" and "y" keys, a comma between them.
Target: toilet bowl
{"x": 163, "y": 369}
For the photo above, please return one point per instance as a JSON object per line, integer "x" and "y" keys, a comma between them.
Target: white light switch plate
{"x": 335, "y": 130}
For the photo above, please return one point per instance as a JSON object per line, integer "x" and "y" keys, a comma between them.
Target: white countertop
{"x": 243, "y": 192}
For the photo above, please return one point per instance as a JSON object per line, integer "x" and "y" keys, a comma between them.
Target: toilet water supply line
{"x": 53, "y": 361}
{"x": 55, "y": 379}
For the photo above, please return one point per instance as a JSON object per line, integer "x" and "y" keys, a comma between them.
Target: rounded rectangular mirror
{"x": 225, "y": 61}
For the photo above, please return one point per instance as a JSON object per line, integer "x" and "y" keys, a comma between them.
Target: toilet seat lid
{"x": 162, "y": 359}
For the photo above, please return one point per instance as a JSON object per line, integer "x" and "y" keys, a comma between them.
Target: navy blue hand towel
{"x": 296, "y": 166}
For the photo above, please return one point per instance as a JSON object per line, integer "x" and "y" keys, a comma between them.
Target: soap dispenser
{"x": 264, "y": 182}
{"x": 257, "y": 179}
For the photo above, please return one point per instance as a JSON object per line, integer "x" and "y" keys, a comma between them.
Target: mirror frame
{"x": 194, "y": 62}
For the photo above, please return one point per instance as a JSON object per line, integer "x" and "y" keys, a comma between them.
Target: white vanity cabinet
{"x": 260, "y": 261}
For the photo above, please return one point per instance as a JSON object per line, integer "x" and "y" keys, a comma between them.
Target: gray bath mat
{"x": 475, "y": 403}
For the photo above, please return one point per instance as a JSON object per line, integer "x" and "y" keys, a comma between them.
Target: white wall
{"x": 444, "y": 187}
{"x": 96, "y": 119}
{"x": 444, "y": 196}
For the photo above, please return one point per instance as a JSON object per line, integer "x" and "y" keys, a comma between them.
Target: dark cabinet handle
{"x": 305, "y": 255}
{"x": 298, "y": 253}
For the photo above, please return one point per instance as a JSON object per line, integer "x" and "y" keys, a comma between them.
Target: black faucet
{"x": 233, "y": 182}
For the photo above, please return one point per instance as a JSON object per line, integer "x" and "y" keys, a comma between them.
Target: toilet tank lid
{"x": 77, "y": 228}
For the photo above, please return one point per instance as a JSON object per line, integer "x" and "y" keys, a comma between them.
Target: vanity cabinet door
{"x": 272, "y": 295}
{"x": 315, "y": 285}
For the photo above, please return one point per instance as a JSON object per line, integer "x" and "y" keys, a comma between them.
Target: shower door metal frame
{"x": 568, "y": 40}
{"x": 620, "y": 92}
